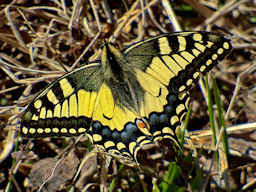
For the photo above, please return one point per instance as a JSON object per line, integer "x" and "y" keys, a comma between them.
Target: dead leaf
{"x": 53, "y": 173}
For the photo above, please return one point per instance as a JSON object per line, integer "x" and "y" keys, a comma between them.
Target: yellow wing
{"x": 129, "y": 98}
{"x": 65, "y": 107}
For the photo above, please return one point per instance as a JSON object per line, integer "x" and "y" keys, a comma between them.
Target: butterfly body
{"x": 129, "y": 98}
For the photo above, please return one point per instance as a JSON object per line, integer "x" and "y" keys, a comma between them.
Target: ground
{"x": 41, "y": 40}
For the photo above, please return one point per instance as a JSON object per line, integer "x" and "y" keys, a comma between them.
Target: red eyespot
{"x": 141, "y": 124}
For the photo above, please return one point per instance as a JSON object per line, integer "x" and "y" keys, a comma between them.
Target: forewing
{"x": 166, "y": 66}
{"x": 177, "y": 59}
{"x": 65, "y": 107}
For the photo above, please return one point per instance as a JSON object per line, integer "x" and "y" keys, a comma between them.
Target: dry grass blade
{"x": 171, "y": 15}
{"x": 240, "y": 77}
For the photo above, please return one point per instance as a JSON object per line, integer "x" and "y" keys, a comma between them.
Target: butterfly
{"x": 128, "y": 98}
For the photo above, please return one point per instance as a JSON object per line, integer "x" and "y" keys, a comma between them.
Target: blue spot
{"x": 172, "y": 99}
{"x": 116, "y": 136}
{"x": 96, "y": 127}
{"x": 106, "y": 133}
{"x": 130, "y": 128}
{"x": 125, "y": 137}
{"x": 169, "y": 109}
{"x": 163, "y": 118}
{"x": 153, "y": 119}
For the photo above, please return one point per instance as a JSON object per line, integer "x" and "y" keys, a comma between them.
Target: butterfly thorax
{"x": 120, "y": 77}
{"x": 114, "y": 64}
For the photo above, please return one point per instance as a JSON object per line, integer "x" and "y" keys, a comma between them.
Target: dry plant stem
{"x": 11, "y": 40}
{"x": 28, "y": 80}
{"x": 57, "y": 3}
{"x": 70, "y": 146}
{"x": 248, "y": 185}
{"x": 204, "y": 186}
{"x": 32, "y": 52}
{"x": 222, "y": 155}
{"x": 171, "y": 15}
{"x": 63, "y": 5}
{"x": 141, "y": 31}
{"x": 12, "y": 131}
{"x": 25, "y": 93}
{"x": 26, "y": 21}
{"x": 6, "y": 109}
{"x": 237, "y": 88}
{"x": 23, "y": 69}
{"x": 152, "y": 17}
{"x": 129, "y": 17}
{"x": 244, "y": 8}
{"x": 244, "y": 45}
{"x": 124, "y": 21}
{"x": 242, "y": 35}
{"x": 17, "y": 66}
{"x": 87, "y": 187}
{"x": 9, "y": 141}
{"x": 52, "y": 63}
{"x": 230, "y": 130}
{"x": 200, "y": 7}
{"x": 143, "y": 13}
{"x": 103, "y": 177}
{"x": 87, "y": 156}
{"x": 85, "y": 159}
{"x": 87, "y": 27}
{"x": 12, "y": 76}
{"x": 85, "y": 51}
{"x": 10, "y": 89}
{"x": 75, "y": 13}
{"x": 50, "y": 26}
{"x": 203, "y": 88}
{"x": 60, "y": 19}
{"x": 96, "y": 15}
{"x": 13, "y": 27}
{"x": 15, "y": 183}
{"x": 224, "y": 10}
{"x": 94, "y": 39}
{"x": 54, "y": 9}
{"x": 15, "y": 167}
{"x": 219, "y": 148}
{"x": 107, "y": 11}
{"x": 43, "y": 38}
